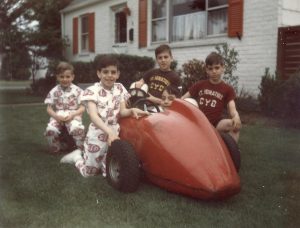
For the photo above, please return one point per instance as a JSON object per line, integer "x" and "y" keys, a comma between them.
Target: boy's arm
{"x": 234, "y": 115}
{"x": 53, "y": 114}
{"x": 135, "y": 112}
{"x": 155, "y": 100}
{"x": 77, "y": 112}
{"x": 95, "y": 118}
{"x": 139, "y": 83}
{"x": 186, "y": 95}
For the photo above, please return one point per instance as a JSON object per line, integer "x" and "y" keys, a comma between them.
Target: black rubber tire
{"x": 233, "y": 149}
{"x": 122, "y": 167}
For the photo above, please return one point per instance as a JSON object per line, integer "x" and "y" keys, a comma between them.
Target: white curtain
{"x": 217, "y": 22}
{"x": 189, "y": 27}
{"x": 159, "y": 31}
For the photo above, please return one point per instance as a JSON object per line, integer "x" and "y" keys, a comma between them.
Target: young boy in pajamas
{"x": 64, "y": 108}
{"x": 106, "y": 102}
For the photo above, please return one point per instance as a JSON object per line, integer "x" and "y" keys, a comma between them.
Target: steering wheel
{"x": 146, "y": 105}
{"x": 137, "y": 92}
{"x": 135, "y": 95}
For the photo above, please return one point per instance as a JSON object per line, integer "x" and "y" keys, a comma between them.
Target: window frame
{"x": 84, "y": 34}
{"x": 117, "y": 26}
{"x": 169, "y": 17}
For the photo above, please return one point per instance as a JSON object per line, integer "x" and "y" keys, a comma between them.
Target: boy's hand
{"x": 60, "y": 118}
{"x": 236, "y": 122}
{"x": 139, "y": 84}
{"x": 137, "y": 113}
{"x": 69, "y": 117}
{"x": 111, "y": 137}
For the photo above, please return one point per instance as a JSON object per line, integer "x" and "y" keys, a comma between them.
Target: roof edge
{"x": 79, "y": 5}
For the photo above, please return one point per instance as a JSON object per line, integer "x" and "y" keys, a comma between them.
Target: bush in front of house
{"x": 246, "y": 102}
{"x": 42, "y": 86}
{"x": 84, "y": 72}
{"x": 193, "y": 71}
{"x": 231, "y": 60}
{"x": 281, "y": 98}
{"x": 268, "y": 96}
{"x": 132, "y": 67}
{"x": 289, "y": 97}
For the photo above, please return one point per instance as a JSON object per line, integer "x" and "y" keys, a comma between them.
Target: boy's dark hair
{"x": 214, "y": 58}
{"x": 162, "y": 48}
{"x": 107, "y": 60}
{"x": 63, "y": 66}
{"x": 173, "y": 91}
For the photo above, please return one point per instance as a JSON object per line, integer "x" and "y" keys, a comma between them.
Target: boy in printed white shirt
{"x": 106, "y": 103}
{"x": 64, "y": 108}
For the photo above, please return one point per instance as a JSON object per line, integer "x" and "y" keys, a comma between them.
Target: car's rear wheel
{"x": 122, "y": 167}
{"x": 233, "y": 149}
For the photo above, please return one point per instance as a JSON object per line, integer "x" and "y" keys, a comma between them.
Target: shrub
{"x": 131, "y": 67}
{"x": 281, "y": 98}
{"x": 42, "y": 86}
{"x": 84, "y": 72}
{"x": 289, "y": 97}
{"x": 193, "y": 70}
{"x": 268, "y": 96}
{"x": 231, "y": 60}
{"x": 246, "y": 102}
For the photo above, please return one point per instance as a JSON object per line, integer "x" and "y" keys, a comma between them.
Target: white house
{"x": 191, "y": 27}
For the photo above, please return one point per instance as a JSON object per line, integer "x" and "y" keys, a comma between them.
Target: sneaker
{"x": 72, "y": 157}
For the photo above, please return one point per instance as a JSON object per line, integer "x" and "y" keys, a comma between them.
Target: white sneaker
{"x": 72, "y": 157}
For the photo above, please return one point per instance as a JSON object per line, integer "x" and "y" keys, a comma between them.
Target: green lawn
{"x": 37, "y": 191}
{"x": 25, "y": 83}
{"x": 17, "y": 92}
{"x": 16, "y": 96}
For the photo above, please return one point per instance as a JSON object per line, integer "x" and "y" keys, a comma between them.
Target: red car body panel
{"x": 182, "y": 152}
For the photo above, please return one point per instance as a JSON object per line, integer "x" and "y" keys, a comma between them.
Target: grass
{"x": 37, "y": 191}
{"x": 25, "y": 83}
{"x": 17, "y": 92}
{"x": 16, "y": 96}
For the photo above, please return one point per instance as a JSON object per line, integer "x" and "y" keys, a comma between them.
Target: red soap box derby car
{"x": 177, "y": 150}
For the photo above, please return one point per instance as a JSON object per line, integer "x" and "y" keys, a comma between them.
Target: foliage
{"x": 246, "y": 102}
{"x": 289, "y": 99}
{"x": 84, "y": 72}
{"x": 15, "y": 65}
{"x": 48, "y": 32}
{"x": 268, "y": 96}
{"x": 131, "y": 67}
{"x": 17, "y": 37}
{"x": 230, "y": 56}
{"x": 42, "y": 86}
{"x": 281, "y": 98}
{"x": 193, "y": 70}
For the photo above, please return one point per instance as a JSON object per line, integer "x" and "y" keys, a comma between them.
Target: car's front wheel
{"x": 233, "y": 149}
{"x": 122, "y": 166}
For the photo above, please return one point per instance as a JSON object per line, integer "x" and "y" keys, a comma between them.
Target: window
{"x": 182, "y": 20}
{"x": 121, "y": 27}
{"x": 84, "y": 33}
